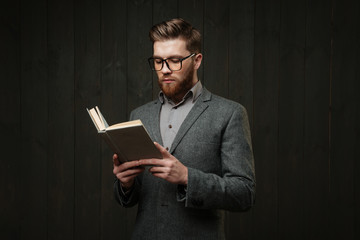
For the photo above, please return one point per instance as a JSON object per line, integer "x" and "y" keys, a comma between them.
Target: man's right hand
{"x": 126, "y": 172}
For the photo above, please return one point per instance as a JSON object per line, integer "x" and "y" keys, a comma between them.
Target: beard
{"x": 177, "y": 90}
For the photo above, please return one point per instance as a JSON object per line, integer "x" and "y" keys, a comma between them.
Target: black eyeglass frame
{"x": 167, "y": 64}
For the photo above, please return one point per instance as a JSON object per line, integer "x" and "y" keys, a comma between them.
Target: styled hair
{"x": 177, "y": 28}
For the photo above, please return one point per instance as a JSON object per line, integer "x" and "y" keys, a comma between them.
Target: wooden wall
{"x": 293, "y": 64}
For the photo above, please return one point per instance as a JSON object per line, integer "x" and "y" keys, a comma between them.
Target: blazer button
{"x": 170, "y": 126}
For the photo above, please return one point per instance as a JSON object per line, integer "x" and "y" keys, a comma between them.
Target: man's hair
{"x": 177, "y": 28}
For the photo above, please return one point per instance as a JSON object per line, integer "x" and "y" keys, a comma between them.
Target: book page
{"x": 100, "y": 126}
{"x": 105, "y": 124}
{"x": 125, "y": 125}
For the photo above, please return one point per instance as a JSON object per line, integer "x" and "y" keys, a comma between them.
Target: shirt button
{"x": 170, "y": 126}
{"x": 167, "y": 149}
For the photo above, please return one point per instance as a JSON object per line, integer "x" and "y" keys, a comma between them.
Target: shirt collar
{"x": 194, "y": 93}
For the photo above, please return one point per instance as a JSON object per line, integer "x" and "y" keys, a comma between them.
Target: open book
{"x": 129, "y": 140}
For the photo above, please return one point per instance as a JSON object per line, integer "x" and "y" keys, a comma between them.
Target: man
{"x": 207, "y": 164}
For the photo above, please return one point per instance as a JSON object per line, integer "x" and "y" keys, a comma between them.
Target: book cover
{"x": 129, "y": 140}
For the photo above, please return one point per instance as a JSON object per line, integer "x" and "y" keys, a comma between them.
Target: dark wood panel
{"x": 316, "y": 120}
{"x": 344, "y": 128}
{"x": 139, "y": 48}
{"x": 291, "y": 170}
{"x": 114, "y": 220}
{"x": 10, "y": 122}
{"x": 87, "y": 168}
{"x": 265, "y": 118}
{"x": 241, "y": 53}
{"x": 216, "y": 55}
{"x": 60, "y": 39}
{"x": 164, "y": 10}
{"x": 34, "y": 116}
{"x": 241, "y": 80}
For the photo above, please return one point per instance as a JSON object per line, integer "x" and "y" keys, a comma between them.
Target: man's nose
{"x": 166, "y": 69}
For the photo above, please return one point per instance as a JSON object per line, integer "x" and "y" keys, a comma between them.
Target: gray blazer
{"x": 214, "y": 143}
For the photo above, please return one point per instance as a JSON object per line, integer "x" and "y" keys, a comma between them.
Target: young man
{"x": 207, "y": 164}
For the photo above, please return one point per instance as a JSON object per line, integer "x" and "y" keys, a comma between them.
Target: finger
{"x": 151, "y": 161}
{"x": 163, "y": 150}
{"x": 160, "y": 175}
{"x": 116, "y": 160}
{"x": 128, "y": 165}
{"x": 130, "y": 173}
{"x": 162, "y": 169}
{"x": 156, "y": 169}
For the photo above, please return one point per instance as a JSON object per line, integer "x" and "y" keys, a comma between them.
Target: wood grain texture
{"x": 34, "y": 119}
{"x": 10, "y": 123}
{"x": 60, "y": 122}
{"x": 291, "y": 170}
{"x": 344, "y": 127}
{"x": 316, "y": 120}
{"x": 266, "y": 118}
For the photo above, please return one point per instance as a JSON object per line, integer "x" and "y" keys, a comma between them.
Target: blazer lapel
{"x": 200, "y": 106}
{"x": 154, "y": 123}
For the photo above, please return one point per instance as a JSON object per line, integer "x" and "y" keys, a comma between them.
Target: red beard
{"x": 177, "y": 90}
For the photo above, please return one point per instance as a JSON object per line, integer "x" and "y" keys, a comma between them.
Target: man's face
{"x": 175, "y": 84}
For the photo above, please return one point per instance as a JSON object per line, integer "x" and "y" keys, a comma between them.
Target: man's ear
{"x": 198, "y": 59}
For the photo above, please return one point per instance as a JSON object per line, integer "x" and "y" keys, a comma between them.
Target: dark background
{"x": 293, "y": 64}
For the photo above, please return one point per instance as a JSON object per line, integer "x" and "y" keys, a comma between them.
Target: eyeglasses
{"x": 174, "y": 64}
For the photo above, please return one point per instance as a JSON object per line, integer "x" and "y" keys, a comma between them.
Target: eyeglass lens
{"x": 173, "y": 64}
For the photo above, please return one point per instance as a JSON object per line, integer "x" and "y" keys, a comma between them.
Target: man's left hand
{"x": 168, "y": 168}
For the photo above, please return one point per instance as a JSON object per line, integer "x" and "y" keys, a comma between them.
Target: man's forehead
{"x": 170, "y": 47}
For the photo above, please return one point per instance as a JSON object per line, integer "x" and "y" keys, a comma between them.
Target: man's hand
{"x": 126, "y": 172}
{"x": 168, "y": 168}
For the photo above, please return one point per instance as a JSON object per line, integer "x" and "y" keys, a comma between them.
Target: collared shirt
{"x": 172, "y": 115}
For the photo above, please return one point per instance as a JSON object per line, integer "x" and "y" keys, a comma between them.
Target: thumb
{"x": 116, "y": 160}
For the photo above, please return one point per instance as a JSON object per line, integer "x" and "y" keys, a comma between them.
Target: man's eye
{"x": 158, "y": 61}
{"x": 174, "y": 60}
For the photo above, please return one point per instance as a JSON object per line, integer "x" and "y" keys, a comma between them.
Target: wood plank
{"x": 140, "y": 84}
{"x": 34, "y": 116}
{"x": 241, "y": 80}
{"x": 10, "y": 121}
{"x": 115, "y": 220}
{"x": 291, "y": 170}
{"x": 241, "y": 53}
{"x": 61, "y": 127}
{"x": 344, "y": 128}
{"x": 164, "y": 10}
{"x": 265, "y": 118}
{"x": 316, "y": 121}
{"x": 216, "y": 49}
{"x": 87, "y": 168}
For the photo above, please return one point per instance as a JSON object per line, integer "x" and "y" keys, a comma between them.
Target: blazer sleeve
{"x": 234, "y": 189}
{"x": 129, "y": 198}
